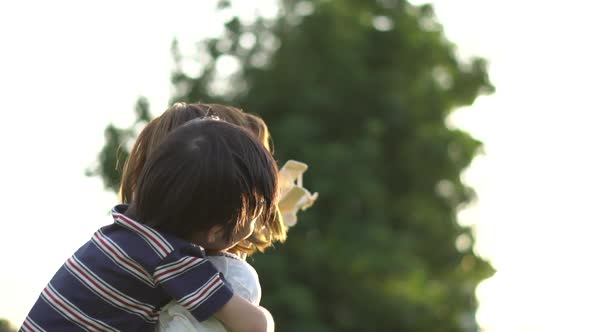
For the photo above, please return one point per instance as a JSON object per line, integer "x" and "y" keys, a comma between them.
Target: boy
{"x": 205, "y": 185}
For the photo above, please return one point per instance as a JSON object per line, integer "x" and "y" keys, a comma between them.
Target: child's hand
{"x": 294, "y": 196}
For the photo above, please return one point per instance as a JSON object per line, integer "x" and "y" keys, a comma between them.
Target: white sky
{"x": 67, "y": 69}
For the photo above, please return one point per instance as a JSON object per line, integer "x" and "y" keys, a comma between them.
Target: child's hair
{"x": 155, "y": 132}
{"x": 206, "y": 173}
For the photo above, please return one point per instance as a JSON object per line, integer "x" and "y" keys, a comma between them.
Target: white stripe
{"x": 118, "y": 299}
{"x": 23, "y": 328}
{"x": 170, "y": 272}
{"x": 167, "y": 273}
{"x": 124, "y": 261}
{"x": 202, "y": 293}
{"x": 35, "y": 326}
{"x": 172, "y": 263}
{"x": 111, "y": 295}
{"x": 157, "y": 241}
{"x": 54, "y": 304}
{"x": 158, "y": 249}
{"x": 63, "y": 302}
{"x": 188, "y": 297}
{"x": 206, "y": 296}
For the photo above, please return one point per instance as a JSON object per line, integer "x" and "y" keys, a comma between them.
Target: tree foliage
{"x": 5, "y": 326}
{"x": 361, "y": 91}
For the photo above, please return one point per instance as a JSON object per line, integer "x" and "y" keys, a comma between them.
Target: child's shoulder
{"x": 130, "y": 242}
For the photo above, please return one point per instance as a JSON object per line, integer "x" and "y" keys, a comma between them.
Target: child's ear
{"x": 214, "y": 234}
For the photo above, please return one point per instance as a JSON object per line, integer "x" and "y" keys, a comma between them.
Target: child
{"x": 179, "y": 113}
{"x": 239, "y": 274}
{"x": 206, "y": 185}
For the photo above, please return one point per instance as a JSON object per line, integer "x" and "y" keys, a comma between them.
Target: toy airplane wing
{"x": 294, "y": 196}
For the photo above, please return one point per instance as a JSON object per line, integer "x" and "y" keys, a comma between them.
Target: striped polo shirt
{"x": 122, "y": 277}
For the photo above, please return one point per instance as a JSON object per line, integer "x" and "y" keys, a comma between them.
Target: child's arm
{"x": 239, "y": 315}
{"x": 198, "y": 286}
{"x": 242, "y": 278}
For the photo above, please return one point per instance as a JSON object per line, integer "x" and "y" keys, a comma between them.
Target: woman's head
{"x": 178, "y": 114}
{"x": 208, "y": 181}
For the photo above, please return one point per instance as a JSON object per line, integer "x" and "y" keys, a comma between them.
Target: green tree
{"x": 117, "y": 147}
{"x": 361, "y": 91}
{"x": 5, "y": 326}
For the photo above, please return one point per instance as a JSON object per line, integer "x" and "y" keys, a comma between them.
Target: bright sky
{"x": 67, "y": 69}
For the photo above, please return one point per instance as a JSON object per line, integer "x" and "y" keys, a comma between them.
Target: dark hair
{"x": 179, "y": 113}
{"x": 206, "y": 172}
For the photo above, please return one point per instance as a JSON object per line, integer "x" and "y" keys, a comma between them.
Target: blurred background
{"x": 447, "y": 140}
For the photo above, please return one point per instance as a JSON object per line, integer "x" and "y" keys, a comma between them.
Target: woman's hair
{"x": 157, "y": 129}
{"x": 206, "y": 173}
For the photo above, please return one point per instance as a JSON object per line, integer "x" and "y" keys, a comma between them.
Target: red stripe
{"x": 153, "y": 235}
{"x": 123, "y": 258}
{"x": 203, "y": 292}
{"x": 144, "y": 232}
{"x": 189, "y": 261}
{"x": 89, "y": 322}
{"x": 34, "y": 326}
{"x": 106, "y": 290}
{"x": 26, "y": 324}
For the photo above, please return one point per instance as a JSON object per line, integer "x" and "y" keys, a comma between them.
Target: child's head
{"x": 207, "y": 181}
{"x": 155, "y": 132}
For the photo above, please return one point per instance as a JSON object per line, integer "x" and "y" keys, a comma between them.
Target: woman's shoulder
{"x": 228, "y": 263}
{"x": 242, "y": 276}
